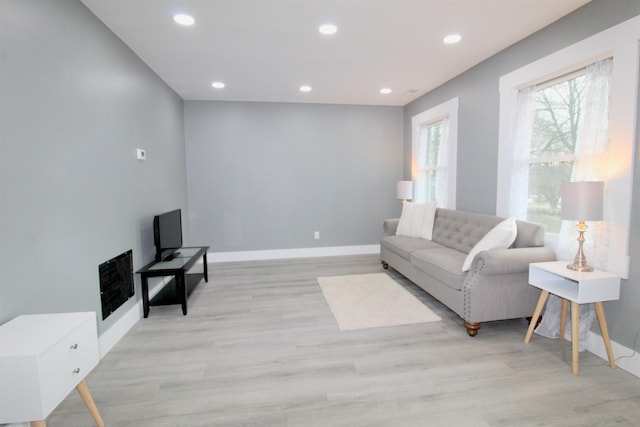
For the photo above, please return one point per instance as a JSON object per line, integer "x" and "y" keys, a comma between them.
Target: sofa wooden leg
{"x": 385, "y": 265}
{"x": 472, "y": 328}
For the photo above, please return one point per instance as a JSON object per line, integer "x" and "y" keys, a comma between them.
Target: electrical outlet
{"x": 316, "y": 235}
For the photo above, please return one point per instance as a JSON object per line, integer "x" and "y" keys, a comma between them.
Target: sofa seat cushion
{"x": 404, "y": 246}
{"x": 443, "y": 264}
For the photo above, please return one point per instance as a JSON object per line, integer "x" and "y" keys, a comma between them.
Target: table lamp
{"x": 582, "y": 201}
{"x": 404, "y": 190}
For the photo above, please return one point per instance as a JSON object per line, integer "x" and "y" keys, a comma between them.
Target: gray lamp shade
{"x": 582, "y": 201}
{"x": 404, "y": 190}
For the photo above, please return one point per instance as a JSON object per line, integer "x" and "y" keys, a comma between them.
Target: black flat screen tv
{"x": 167, "y": 234}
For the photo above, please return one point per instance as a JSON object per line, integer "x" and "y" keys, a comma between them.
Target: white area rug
{"x": 362, "y": 301}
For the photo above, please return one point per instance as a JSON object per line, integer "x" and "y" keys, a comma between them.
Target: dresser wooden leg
{"x": 83, "y": 389}
{"x": 40, "y": 423}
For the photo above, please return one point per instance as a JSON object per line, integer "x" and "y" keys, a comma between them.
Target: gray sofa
{"x": 496, "y": 285}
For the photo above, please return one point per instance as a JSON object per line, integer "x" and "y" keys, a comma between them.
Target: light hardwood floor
{"x": 260, "y": 347}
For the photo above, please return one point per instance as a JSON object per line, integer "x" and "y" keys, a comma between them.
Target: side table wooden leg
{"x": 40, "y": 423}
{"x": 536, "y": 313}
{"x": 575, "y": 335}
{"x": 605, "y": 332}
{"x": 563, "y": 317}
{"x": 83, "y": 389}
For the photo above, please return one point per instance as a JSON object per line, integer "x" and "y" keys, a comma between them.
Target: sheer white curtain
{"x": 442, "y": 167}
{"x": 521, "y": 152}
{"x": 420, "y": 181}
{"x": 592, "y": 148}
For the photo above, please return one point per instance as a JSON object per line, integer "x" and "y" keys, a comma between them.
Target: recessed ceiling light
{"x": 183, "y": 19}
{"x": 305, "y": 88}
{"x": 452, "y": 38}
{"x": 217, "y": 85}
{"x": 385, "y": 91}
{"x": 328, "y": 29}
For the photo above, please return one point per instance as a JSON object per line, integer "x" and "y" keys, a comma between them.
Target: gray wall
{"x": 75, "y": 104}
{"x": 267, "y": 175}
{"x": 478, "y": 133}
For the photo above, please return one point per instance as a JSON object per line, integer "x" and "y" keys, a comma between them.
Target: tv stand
{"x": 178, "y": 289}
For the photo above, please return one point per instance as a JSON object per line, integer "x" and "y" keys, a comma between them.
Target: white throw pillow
{"x": 501, "y": 236}
{"x": 417, "y": 220}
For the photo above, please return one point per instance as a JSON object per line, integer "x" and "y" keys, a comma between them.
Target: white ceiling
{"x": 264, "y": 50}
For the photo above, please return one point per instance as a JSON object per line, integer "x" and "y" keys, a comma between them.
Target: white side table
{"x": 43, "y": 357}
{"x": 579, "y": 288}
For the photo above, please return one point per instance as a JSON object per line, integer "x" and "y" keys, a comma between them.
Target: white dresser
{"x": 43, "y": 357}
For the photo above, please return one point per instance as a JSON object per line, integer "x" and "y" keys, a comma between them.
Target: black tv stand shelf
{"x": 178, "y": 289}
{"x": 170, "y": 293}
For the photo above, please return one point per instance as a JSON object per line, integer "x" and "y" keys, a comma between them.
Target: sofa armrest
{"x": 508, "y": 261}
{"x": 497, "y": 286}
{"x": 390, "y": 226}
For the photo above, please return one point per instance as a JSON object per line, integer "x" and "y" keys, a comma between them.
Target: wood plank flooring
{"x": 260, "y": 347}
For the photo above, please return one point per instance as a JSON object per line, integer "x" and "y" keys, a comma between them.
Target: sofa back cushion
{"x": 530, "y": 235}
{"x": 461, "y": 230}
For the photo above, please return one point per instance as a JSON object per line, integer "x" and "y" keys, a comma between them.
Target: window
{"x": 561, "y": 135}
{"x": 547, "y": 146}
{"x": 434, "y": 154}
{"x": 568, "y": 117}
{"x": 558, "y": 108}
{"x": 430, "y": 166}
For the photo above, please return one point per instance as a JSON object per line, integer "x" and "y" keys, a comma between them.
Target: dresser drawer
{"x": 66, "y": 364}
{"x": 42, "y": 358}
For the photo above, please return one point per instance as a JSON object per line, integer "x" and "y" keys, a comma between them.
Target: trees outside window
{"x": 558, "y": 116}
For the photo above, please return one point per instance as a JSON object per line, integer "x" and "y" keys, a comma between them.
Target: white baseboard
{"x": 120, "y": 328}
{"x": 625, "y": 358}
{"x": 292, "y": 253}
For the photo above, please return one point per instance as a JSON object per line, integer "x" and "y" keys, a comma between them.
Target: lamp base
{"x": 580, "y": 261}
{"x": 578, "y": 267}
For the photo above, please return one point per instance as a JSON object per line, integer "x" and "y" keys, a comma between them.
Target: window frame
{"x": 446, "y": 110}
{"x": 622, "y": 43}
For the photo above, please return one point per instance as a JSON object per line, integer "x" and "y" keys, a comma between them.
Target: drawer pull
{"x": 73, "y": 346}
{"x": 76, "y": 371}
